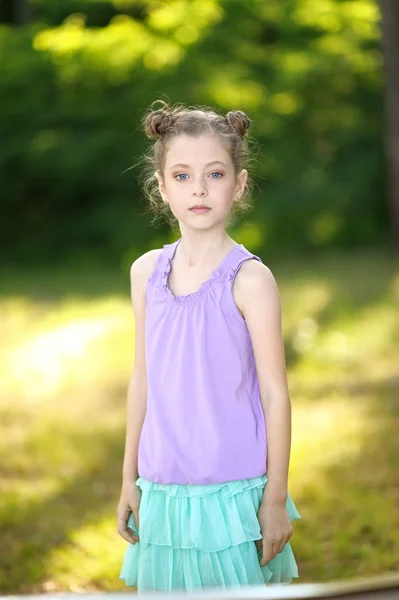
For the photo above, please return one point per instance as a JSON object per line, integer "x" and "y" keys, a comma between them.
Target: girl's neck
{"x": 202, "y": 251}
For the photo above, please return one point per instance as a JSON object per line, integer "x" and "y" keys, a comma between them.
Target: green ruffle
{"x": 202, "y": 529}
{"x": 228, "y": 488}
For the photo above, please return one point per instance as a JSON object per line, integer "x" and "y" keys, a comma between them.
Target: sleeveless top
{"x": 204, "y": 422}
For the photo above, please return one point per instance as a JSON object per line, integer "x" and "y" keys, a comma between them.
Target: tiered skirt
{"x": 202, "y": 536}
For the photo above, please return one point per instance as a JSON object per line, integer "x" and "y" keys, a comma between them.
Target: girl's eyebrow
{"x": 188, "y": 166}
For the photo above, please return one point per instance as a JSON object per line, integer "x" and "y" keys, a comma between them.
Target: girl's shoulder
{"x": 143, "y": 268}
{"x": 254, "y": 279}
{"x": 144, "y": 265}
{"x": 254, "y": 274}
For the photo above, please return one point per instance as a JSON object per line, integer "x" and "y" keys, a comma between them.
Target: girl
{"x": 204, "y": 499}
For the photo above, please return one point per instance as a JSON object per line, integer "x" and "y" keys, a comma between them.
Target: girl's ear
{"x": 241, "y": 180}
{"x": 160, "y": 184}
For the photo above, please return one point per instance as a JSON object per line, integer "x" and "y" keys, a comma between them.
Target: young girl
{"x": 204, "y": 499}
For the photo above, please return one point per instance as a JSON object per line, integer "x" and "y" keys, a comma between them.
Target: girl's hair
{"x": 168, "y": 122}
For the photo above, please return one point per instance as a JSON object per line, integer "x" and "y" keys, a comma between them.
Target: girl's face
{"x": 199, "y": 171}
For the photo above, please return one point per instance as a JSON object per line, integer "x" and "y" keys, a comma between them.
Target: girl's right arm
{"x": 136, "y": 405}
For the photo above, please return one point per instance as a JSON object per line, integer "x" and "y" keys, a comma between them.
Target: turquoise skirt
{"x": 201, "y": 536}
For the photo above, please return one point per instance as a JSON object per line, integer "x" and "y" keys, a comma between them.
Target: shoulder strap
{"x": 169, "y": 250}
{"x": 162, "y": 264}
{"x": 237, "y": 258}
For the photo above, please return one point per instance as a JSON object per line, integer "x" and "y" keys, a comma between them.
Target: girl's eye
{"x": 182, "y": 176}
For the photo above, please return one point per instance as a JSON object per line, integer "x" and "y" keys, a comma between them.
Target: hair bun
{"x": 158, "y": 121}
{"x": 238, "y": 121}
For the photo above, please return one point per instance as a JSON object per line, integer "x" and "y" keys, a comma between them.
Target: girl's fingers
{"x": 127, "y": 534}
{"x": 124, "y": 530}
{"x": 281, "y": 547}
{"x": 134, "y": 534}
{"x": 136, "y": 517}
{"x": 129, "y": 537}
{"x": 266, "y": 553}
{"x": 135, "y": 512}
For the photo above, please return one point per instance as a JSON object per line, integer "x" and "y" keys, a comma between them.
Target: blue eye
{"x": 184, "y": 175}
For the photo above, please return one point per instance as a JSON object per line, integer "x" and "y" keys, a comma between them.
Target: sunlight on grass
{"x": 90, "y": 558}
{"x": 71, "y": 342}
{"x": 303, "y": 299}
{"x": 349, "y": 348}
{"x": 327, "y": 432}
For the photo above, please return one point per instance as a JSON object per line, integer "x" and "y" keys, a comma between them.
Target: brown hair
{"x": 167, "y": 122}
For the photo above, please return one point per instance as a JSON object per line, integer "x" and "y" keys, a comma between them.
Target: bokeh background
{"x": 76, "y": 78}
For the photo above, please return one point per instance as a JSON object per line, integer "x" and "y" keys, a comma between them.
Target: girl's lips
{"x": 200, "y": 210}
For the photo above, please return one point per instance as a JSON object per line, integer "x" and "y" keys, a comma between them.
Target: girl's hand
{"x": 129, "y": 503}
{"x": 276, "y": 530}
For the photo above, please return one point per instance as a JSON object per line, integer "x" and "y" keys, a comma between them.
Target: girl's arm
{"x": 136, "y": 406}
{"x": 259, "y": 301}
{"x": 257, "y": 296}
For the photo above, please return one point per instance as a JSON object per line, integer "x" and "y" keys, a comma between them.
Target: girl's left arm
{"x": 258, "y": 299}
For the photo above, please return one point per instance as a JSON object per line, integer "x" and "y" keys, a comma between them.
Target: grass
{"x": 66, "y": 353}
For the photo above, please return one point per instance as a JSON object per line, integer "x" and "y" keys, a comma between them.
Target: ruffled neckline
{"x": 204, "y": 287}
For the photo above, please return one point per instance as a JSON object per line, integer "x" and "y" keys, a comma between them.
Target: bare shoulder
{"x": 140, "y": 271}
{"x": 144, "y": 265}
{"x": 255, "y": 275}
{"x": 255, "y": 282}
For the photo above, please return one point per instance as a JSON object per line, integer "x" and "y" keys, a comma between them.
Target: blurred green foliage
{"x": 77, "y": 80}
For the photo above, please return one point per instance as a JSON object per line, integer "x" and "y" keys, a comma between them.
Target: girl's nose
{"x": 199, "y": 186}
{"x": 199, "y": 190}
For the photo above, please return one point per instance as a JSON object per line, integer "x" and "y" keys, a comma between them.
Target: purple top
{"x": 204, "y": 422}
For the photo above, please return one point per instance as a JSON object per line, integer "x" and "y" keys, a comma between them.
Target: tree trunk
{"x": 390, "y": 48}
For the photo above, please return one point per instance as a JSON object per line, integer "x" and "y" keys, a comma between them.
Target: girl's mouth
{"x": 199, "y": 210}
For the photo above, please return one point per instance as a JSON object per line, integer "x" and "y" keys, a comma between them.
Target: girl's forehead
{"x": 194, "y": 150}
